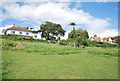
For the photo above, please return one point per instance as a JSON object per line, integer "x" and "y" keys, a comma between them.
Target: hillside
{"x": 36, "y": 60}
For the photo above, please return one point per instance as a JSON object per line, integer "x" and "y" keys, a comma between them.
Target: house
{"x": 95, "y": 38}
{"x": 22, "y": 31}
{"x": 105, "y": 39}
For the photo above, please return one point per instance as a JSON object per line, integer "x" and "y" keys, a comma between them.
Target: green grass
{"x": 34, "y": 60}
{"x": 0, "y": 61}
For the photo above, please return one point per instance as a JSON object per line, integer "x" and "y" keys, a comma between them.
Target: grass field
{"x": 34, "y": 60}
{"x": 0, "y": 61}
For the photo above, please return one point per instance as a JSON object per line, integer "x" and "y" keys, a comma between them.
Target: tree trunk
{"x": 74, "y": 44}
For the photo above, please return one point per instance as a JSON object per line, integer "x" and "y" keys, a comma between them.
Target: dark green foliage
{"x": 81, "y": 37}
{"x": 80, "y": 34}
{"x": 117, "y": 39}
{"x": 73, "y": 31}
{"x": 19, "y": 38}
{"x": 51, "y": 30}
{"x": 72, "y": 24}
{"x": 64, "y": 42}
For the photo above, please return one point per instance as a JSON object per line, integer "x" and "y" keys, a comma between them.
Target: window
{"x": 13, "y": 32}
{"x": 27, "y": 33}
{"x": 20, "y": 32}
{"x": 35, "y": 36}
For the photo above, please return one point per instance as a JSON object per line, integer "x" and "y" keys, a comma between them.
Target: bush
{"x": 100, "y": 42}
{"x": 19, "y": 38}
{"x": 64, "y": 42}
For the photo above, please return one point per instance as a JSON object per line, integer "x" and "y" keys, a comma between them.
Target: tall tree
{"x": 74, "y": 33}
{"x": 51, "y": 30}
{"x": 81, "y": 36}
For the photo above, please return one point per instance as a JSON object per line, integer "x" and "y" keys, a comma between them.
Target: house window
{"x": 13, "y": 32}
{"x": 20, "y": 32}
{"x": 27, "y": 33}
{"x": 35, "y": 36}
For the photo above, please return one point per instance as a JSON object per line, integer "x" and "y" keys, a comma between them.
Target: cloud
{"x": 109, "y": 33}
{"x": 59, "y": 0}
{"x": 106, "y": 0}
{"x": 55, "y": 12}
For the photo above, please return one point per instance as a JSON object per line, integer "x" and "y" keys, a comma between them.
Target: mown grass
{"x": 34, "y": 60}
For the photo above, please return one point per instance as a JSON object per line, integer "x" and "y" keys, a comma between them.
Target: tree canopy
{"x": 74, "y": 33}
{"x": 72, "y": 24}
{"x": 81, "y": 36}
{"x": 51, "y": 31}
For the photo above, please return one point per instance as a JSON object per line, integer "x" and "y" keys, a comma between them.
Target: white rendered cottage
{"x": 22, "y": 31}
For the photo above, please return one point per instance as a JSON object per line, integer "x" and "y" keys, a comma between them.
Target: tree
{"x": 74, "y": 33}
{"x": 51, "y": 31}
{"x": 4, "y": 31}
{"x": 116, "y": 39}
{"x": 81, "y": 36}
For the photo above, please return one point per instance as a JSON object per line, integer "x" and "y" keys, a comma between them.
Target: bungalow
{"x": 22, "y": 31}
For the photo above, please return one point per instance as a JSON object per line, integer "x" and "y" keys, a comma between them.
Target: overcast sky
{"x": 99, "y": 18}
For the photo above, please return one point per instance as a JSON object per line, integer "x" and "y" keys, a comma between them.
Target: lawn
{"x": 35, "y": 60}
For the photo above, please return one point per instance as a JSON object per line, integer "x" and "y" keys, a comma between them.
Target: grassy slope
{"x": 0, "y": 60}
{"x": 47, "y": 61}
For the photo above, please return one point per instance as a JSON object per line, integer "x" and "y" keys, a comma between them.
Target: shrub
{"x": 64, "y": 42}
{"x": 19, "y": 38}
{"x": 100, "y": 42}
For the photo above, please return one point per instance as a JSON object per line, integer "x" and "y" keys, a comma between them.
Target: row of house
{"x": 106, "y": 39}
{"x": 27, "y": 32}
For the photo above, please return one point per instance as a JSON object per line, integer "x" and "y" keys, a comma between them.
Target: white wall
{"x": 18, "y": 32}
{"x": 24, "y": 33}
{"x": 38, "y": 36}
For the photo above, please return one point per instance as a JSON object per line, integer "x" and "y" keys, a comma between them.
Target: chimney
{"x": 28, "y": 28}
{"x": 95, "y": 35}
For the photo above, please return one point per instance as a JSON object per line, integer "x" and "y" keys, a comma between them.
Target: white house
{"x": 107, "y": 39}
{"x": 22, "y": 31}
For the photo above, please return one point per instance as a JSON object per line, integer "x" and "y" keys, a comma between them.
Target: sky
{"x": 99, "y": 18}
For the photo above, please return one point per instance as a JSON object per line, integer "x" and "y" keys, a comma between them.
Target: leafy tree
{"x": 81, "y": 36}
{"x": 51, "y": 31}
{"x": 74, "y": 33}
{"x": 116, "y": 39}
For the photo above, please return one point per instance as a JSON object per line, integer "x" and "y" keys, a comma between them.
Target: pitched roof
{"x": 96, "y": 38}
{"x": 19, "y": 28}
